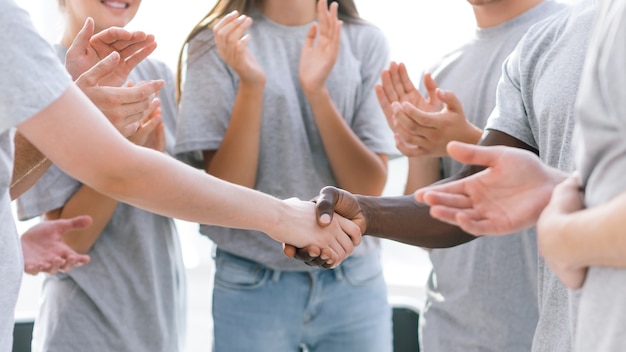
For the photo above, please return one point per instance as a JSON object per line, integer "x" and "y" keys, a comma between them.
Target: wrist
{"x": 315, "y": 93}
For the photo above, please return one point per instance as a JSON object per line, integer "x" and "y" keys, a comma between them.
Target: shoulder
{"x": 366, "y": 41}
{"x": 365, "y": 33}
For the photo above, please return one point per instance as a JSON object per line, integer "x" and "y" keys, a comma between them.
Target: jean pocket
{"x": 362, "y": 270}
{"x": 239, "y": 273}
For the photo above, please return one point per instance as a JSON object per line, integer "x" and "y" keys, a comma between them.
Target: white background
{"x": 418, "y": 32}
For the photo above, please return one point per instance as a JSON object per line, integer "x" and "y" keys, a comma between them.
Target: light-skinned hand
{"x": 88, "y": 49}
{"x": 44, "y": 249}
{"x": 320, "y": 49}
{"x": 332, "y": 202}
{"x": 232, "y": 44}
{"x": 552, "y": 235}
{"x": 423, "y": 133}
{"x": 125, "y": 107}
{"x": 506, "y": 197}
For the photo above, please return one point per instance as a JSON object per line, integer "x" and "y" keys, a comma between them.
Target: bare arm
{"x": 241, "y": 140}
{"x": 87, "y": 147}
{"x": 563, "y": 233}
{"x": 30, "y": 164}
{"x": 355, "y": 167}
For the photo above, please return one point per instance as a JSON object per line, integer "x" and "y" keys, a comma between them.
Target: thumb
{"x": 100, "y": 70}
{"x": 289, "y": 250}
{"x": 310, "y": 36}
{"x": 325, "y": 204}
{"x": 75, "y": 223}
{"x": 81, "y": 41}
{"x": 472, "y": 154}
{"x": 449, "y": 98}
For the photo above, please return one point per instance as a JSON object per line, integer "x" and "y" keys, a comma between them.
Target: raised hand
{"x": 232, "y": 46}
{"x": 151, "y": 133}
{"x": 420, "y": 132}
{"x": 44, "y": 250}
{"x": 331, "y": 202}
{"x": 88, "y": 49}
{"x": 125, "y": 107}
{"x": 320, "y": 49}
{"x": 506, "y": 197}
{"x": 551, "y": 232}
{"x": 396, "y": 86}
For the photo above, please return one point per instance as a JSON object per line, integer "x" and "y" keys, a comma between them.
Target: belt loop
{"x": 275, "y": 275}
{"x": 338, "y": 271}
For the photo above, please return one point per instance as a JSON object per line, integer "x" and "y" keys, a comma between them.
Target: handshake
{"x": 340, "y": 225}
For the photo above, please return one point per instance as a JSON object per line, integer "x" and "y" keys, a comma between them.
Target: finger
{"x": 140, "y": 93}
{"x": 350, "y": 229}
{"x": 403, "y": 74}
{"x": 289, "y": 250}
{"x": 74, "y": 261}
{"x": 115, "y": 39}
{"x": 323, "y": 17}
{"x": 334, "y": 24}
{"x": 457, "y": 201}
{"x": 411, "y": 115}
{"x": 431, "y": 88}
{"x": 385, "y": 105}
{"x": 225, "y": 20}
{"x": 309, "y": 42}
{"x": 81, "y": 41}
{"x": 474, "y": 154}
{"x": 240, "y": 26}
{"x": 449, "y": 98}
{"x": 396, "y": 82}
{"x": 308, "y": 254}
{"x": 231, "y": 33}
{"x": 472, "y": 226}
{"x": 76, "y": 223}
{"x": 100, "y": 70}
{"x": 388, "y": 86}
{"x": 325, "y": 204}
{"x": 139, "y": 55}
{"x": 566, "y": 195}
{"x": 133, "y": 47}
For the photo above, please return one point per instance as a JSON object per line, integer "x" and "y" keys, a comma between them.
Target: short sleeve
{"x": 32, "y": 76}
{"x": 510, "y": 114}
{"x": 207, "y": 98}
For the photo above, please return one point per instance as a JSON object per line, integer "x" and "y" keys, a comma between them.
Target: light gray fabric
{"x": 601, "y": 160}
{"x": 131, "y": 296}
{"x": 482, "y": 296}
{"x": 535, "y": 104}
{"x": 32, "y": 79}
{"x": 292, "y": 160}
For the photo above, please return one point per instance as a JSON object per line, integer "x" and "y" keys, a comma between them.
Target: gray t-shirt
{"x": 535, "y": 104}
{"x": 482, "y": 296}
{"x": 131, "y": 296}
{"x": 601, "y": 160}
{"x": 32, "y": 79}
{"x": 292, "y": 160}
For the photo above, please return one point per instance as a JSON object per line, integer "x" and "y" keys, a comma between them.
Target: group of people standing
{"x": 286, "y": 98}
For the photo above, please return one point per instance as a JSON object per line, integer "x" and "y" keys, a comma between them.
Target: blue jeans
{"x": 259, "y": 309}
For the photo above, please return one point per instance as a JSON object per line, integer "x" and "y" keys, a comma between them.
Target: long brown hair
{"x": 347, "y": 12}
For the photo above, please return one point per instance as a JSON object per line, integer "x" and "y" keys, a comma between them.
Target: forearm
{"x": 241, "y": 140}
{"x": 595, "y": 236}
{"x": 405, "y": 220}
{"x": 29, "y": 165}
{"x": 423, "y": 171}
{"x": 86, "y": 201}
{"x": 356, "y": 168}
